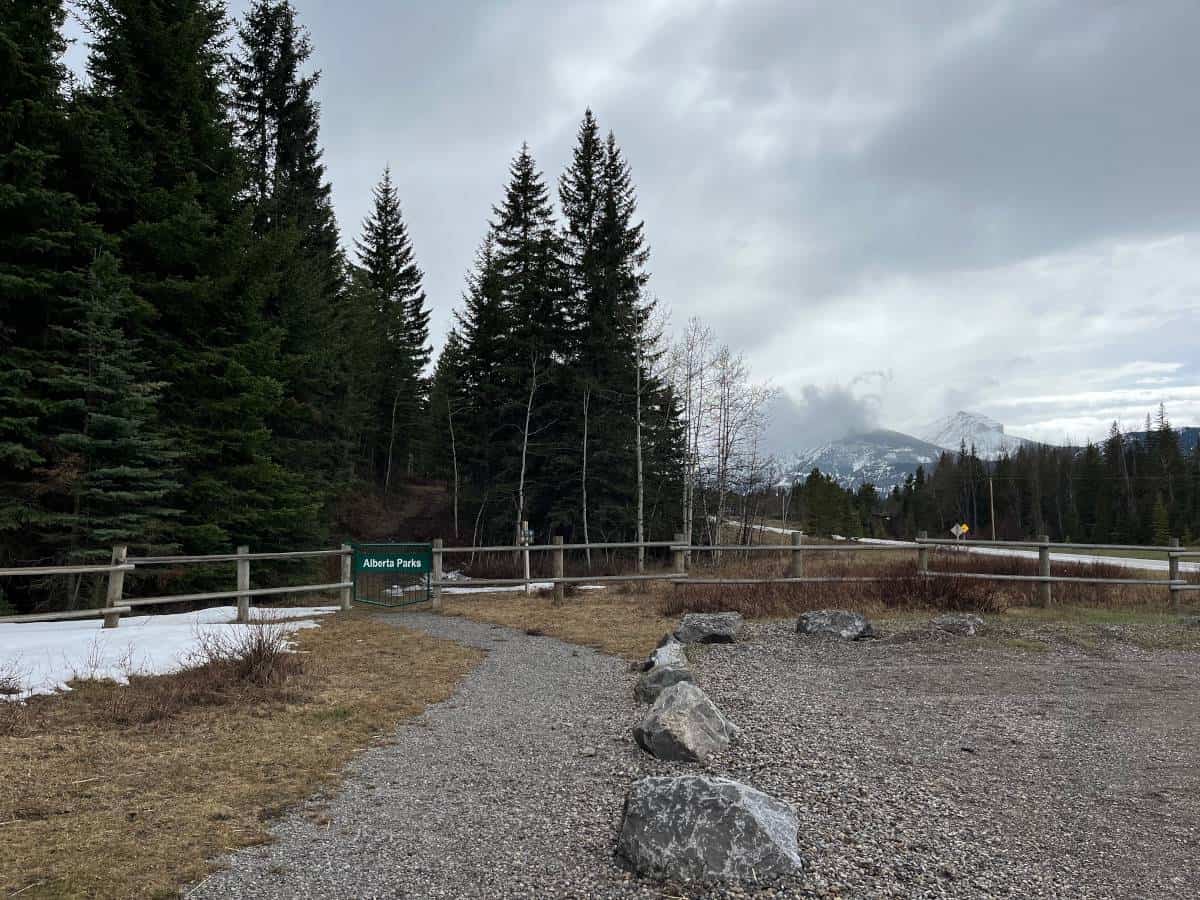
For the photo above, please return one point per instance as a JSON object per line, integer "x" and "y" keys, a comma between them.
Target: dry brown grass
{"x": 629, "y": 620}
{"x": 134, "y": 791}
{"x": 901, "y": 588}
{"x": 620, "y": 622}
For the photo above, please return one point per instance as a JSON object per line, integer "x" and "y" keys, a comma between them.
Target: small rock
{"x": 684, "y": 725}
{"x": 668, "y": 653}
{"x": 709, "y": 628}
{"x": 957, "y": 623}
{"x": 587, "y": 751}
{"x": 658, "y": 679}
{"x": 850, "y": 626}
{"x": 695, "y": 827}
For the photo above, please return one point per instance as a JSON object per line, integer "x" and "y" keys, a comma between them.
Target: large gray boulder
{"x": 654, "y": 681}
{"x": 849, "y": 626}
{"x": 684, "y": 725}
{"x": 692, "y": 828}
{"x": 709, "y": 628}
{"x": 957, "y": 623}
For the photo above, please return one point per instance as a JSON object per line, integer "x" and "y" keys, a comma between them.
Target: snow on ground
{"x": 46, "y": 655}
{"x": 1127, "y": 562}
{"x": 516, "y": 588}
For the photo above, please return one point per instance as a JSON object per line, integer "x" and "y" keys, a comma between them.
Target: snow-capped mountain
{"x": 987, "y": 435}
{"x": 881, "y": 457}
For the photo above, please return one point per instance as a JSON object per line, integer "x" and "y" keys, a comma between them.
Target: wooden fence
{"x": 116, "y": 604}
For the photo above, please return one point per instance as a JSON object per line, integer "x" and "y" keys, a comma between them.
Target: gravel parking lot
{"x": 920, "y": 766}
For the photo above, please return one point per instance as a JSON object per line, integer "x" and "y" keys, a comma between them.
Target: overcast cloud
{"x": 995, "y": 203}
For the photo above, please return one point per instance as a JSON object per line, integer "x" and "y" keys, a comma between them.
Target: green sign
{"x": 394, "y": 559}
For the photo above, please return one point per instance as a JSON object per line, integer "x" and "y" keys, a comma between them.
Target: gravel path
{"x": 512, "y": 788}
{"x": 920, "y": 767}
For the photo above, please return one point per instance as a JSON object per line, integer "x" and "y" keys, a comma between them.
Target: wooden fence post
{"x": 1173, "y": 575}
{"x": 243, "y": 584}
{"x": 680, "y": 555}
{"x": 923, "y": 554}
{"x": 437, "y": 573}
{"x": 1044, "y": 570}
{"x": 796, "y": 567}
{"x": 560, "y": 592}
{"x": 347, "y": 575}
{"x": 116, "y": 587}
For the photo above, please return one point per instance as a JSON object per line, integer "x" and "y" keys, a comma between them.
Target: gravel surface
{"x": 920, "y": 767}
{"x": 940, "y": 766}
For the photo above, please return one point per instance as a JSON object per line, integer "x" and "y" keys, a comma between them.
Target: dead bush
{"x": 896, "y": 586}
{"x": 248, "y": 665}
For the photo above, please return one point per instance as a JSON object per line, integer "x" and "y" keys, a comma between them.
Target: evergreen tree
{"x": 533, "y": 287}
{"x": 122, "y": 472}
{"x": 45, "y": 241}
{"x": 613, "y": 352}
{"x": 277, "y": 123}
{"x": 386, "y": 255}
{"x": 161, "y": 162}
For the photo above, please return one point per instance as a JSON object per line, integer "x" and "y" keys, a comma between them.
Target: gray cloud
{"x": 983, "y": 197}
{"x": 824, "y": 413}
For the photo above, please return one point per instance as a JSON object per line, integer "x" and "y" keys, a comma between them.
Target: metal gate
{"x": 393, "y": 574}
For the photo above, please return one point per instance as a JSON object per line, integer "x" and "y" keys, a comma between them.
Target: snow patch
{"x": 47, "y": 655}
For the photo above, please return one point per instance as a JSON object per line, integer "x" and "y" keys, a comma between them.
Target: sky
{"x": 894, "y": 210}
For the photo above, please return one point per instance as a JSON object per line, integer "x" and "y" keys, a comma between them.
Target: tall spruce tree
{"x": 277, "y": 122}
{"x": 385, "y": 253}
{"x": 160, "y": 161}
{"x": 612, "y": 347}
{"x": 533, "y": 288}
{"x": 46, "y": 239}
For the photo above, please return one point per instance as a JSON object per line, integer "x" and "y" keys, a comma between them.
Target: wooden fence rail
{"x": 117, "y": 604}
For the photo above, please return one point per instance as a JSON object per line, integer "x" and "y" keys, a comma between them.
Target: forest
{"x": 1139, "y": 487}
{"x": 192, "y": 356}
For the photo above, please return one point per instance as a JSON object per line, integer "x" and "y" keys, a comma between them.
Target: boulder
{"x": 668, "y": 653}
{"x": 684, "y": 725}
{"x": 849, "y": 626}
{"x": 693, "y": 827}
{"x": 654, "y": 681}
{"x": 709, "y": 628}
{"x": 957, "y": 623}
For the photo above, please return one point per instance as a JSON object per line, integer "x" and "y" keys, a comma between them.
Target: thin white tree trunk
{"x": 387, "y": 478}
{"x": 454, "y": 461}
{"x": 587, "y": 394}
{"x": 525, "y": 451}
{"x": 641, "y": 481}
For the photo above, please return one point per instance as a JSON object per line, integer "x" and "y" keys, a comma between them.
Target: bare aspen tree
{"x": 533, "y": 373}
{"x": 587, "y": 394}
{"x": 453, "y": 460}
{"x": 691, "y": 359}
{"x": 641, "y": 480}
{"x": 387, "y": 478}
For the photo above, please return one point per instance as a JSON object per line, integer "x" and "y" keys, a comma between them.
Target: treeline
{"x": 1134, "y": 488}
{"x": 188, "y": 359}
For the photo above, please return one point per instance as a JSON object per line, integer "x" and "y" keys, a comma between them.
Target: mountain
{"x": 987, "y": 435}
{"x": 880, "y": 457}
